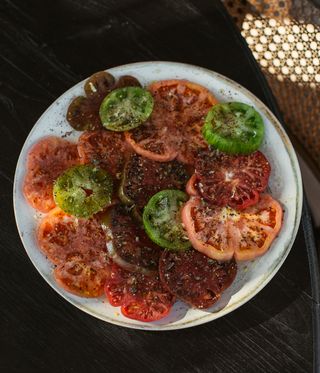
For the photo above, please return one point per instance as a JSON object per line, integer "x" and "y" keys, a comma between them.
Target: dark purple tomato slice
{"x": 128, "y": 244}
{"x": 236, "y": 181}
{"x": 195, "y": 278}
{"x": 142, "y": 178}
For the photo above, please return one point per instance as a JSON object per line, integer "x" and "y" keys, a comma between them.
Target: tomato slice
{"x": 83, "y": 190}
{"x": 105, "y": 149}
{"x": 126, "y": 108}
{"x": 194, "y": 277}
{"x": 61, "y": 236}
{"x": 236, "y": 181}
{"x": 142, "y": 178}
{"x": 141, "y": 297}
{"x": 127, "y": 81}
{"x": 128, "y": 244}
{"x": 174, "y": 128}
{"x": 234, "y": 128}
{"x": 221, "y": 232}
{"x": 47, "y": 159}
{"x": 84, "y": 276}
{"x": 99, "y": 84}
{"x": 162, "y": 219}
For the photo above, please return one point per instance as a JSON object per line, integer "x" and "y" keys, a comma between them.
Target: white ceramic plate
{"x": 285, "y": 186}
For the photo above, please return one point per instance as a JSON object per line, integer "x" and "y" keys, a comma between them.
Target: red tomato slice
{"x": 83, "y": 275}
{"x": 230, "y": 180}
{"x": 221, "y": 232}
{"x": 174, "y": 128}
{"x": 151, "y": 306}
{"x": 115, "y": 286}
{"x": 61, "y": 236}
{"x": 141, "y": 297}
{"x": 194, "y": 277}
{"x": 103, "y": 148}
{"x": 47, "y": 159}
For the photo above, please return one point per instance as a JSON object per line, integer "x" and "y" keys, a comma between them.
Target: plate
{"x": 285, "y": 185}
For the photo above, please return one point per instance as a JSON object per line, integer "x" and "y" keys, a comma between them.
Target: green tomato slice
{"x": 233, "y": 128}
{"x": 162, "y": 219}
{"x": 83, "y": 190}
{"x": 126, "y": 108}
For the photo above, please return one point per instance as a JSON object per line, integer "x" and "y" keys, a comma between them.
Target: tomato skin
{"x": 141, "y": 297}
{"x": 105, "y": 149}
{"x": 191, "y": 187}
{"x": 99, "y": 84}
{"x": 127, "y": 81}
{"x": 235, "y": 181}
{"x": 221, "y": 232}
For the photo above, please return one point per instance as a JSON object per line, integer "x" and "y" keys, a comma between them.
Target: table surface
{"x": 45, "y": 48}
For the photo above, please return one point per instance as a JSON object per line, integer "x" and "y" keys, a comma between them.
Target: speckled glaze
{"x": 285, "y": 185}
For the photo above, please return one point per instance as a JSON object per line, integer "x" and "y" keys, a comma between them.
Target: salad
{"x": 160, "y": 198}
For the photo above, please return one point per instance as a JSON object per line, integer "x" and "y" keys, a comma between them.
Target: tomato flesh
{"x": 142, "y": 178}
{"x": 47, "y": 159}
{"x": 128, "y": 244}
{"x": 236, "y": 181}
{"x": 222, "y": 232}
{"x": 84, "y": 276}
{"x": 174, "y": 128}
{"x": 126, "y": 108}
{"x": 234, "y": 128}
{"x": 83, "y": 190}
{"x": 78, "y": 249}
{"x": 105, "y": 149}
{"x": 162, "y": 219}
{"x": 61, "y": 236}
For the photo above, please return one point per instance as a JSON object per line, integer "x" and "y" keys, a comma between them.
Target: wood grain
{"x": 46, "y": 47}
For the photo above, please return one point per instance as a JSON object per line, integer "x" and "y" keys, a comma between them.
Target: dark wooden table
{"x": 45, "y": 48}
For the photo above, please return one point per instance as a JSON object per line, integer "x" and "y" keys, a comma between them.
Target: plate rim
{"x": 264, "y": 281}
